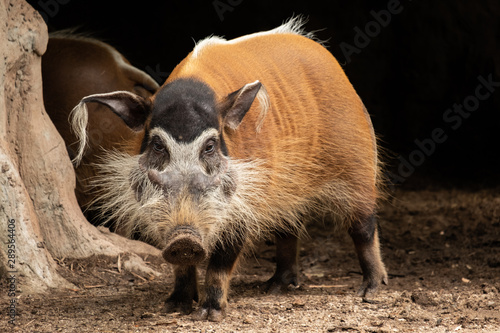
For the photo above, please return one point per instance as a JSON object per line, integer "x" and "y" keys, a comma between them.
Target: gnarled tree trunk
{"x": 39, "y": 216}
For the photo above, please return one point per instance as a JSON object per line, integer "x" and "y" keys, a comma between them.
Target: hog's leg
{"x": 219, "y": 269}
{"x": 286, "y": 263}
{"x": 185, "y": 290}
{"x": 364, "y": 233}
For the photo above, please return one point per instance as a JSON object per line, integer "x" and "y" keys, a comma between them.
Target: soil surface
{"x": 441, "y": 248}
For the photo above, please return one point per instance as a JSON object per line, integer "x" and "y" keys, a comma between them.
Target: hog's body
{"x": 316, "y": 136}
{"x": 218, "y": 170}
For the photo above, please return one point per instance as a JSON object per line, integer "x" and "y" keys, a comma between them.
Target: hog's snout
{"x": 184, "y": 247}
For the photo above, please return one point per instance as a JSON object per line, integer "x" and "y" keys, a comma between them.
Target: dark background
{"x": 409, "y": 72}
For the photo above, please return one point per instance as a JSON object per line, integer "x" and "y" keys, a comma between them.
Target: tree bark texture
{"x": 39, "y": 213}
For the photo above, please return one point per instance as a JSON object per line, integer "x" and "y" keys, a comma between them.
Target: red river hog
{"x": 247, "y": 137}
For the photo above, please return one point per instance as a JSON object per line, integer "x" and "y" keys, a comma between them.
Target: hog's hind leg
{"x": 286, "y": 273}
{"x": 185, "y": 290}
{"x": 364, "y": 233}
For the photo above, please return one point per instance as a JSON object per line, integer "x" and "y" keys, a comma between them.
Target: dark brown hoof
{"x": 210, "y": 314}
{"x": 281, "y": 283}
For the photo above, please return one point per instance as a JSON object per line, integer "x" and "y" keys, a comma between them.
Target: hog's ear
{"x": 235, "y": 106}
{"x": 131, "y": 108}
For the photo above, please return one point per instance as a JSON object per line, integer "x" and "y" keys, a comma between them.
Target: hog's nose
{"x": 184, "y": 249}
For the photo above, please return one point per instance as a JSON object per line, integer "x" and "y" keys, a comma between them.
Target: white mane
{"x": 294, "y": 25}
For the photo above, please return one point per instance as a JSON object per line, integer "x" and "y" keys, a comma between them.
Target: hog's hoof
{"x": 184, "y": 307}
{"x": 371, "y": 283}
{"x": 281, "y": 283}
{"x": 209, "y": 313}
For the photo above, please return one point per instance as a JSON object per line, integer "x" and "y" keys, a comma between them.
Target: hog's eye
{"x": 158, "y": 146}
{"x": 209, "y": 147}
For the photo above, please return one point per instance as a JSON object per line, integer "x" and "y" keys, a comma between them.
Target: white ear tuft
{"x": 78, "y": 119}
{"x": 265, "y": 104}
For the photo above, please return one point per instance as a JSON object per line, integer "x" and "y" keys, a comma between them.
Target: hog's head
{"x": 183, "y": 172}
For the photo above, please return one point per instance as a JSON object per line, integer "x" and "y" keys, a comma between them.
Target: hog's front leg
{"x": 220, "y": 267}
{"x": 185, "y": 290}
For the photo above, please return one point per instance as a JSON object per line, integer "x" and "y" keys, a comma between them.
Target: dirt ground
{"x": 441, "y": 248}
